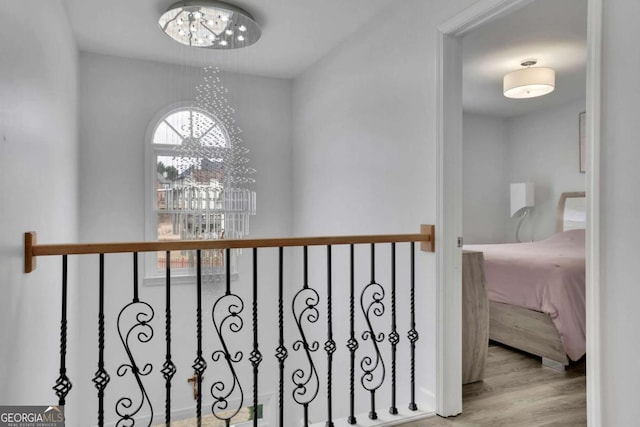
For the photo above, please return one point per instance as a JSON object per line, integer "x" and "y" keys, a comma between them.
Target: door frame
{"x": 449, "y": 201}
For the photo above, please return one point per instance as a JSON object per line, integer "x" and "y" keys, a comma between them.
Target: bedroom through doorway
{"x": 524, "y": 213}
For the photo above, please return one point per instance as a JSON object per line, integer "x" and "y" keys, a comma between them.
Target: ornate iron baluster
{"x": 281, "y": 351}
{"x": 101, "y": 377}
{"x": 303, "y": 307}
{"x": 375, "y": 307}
{"x": 413, "y": 334}
{"x": 256, "y": 356}
{"x": 329, "y": 345}
{"x": 63, "y": 385}
{"x": 233, "y": 305}
{"x": 352, "y": 344}
{"x": 199, "y": 364}
{"x": 394, "y": 337}
{"x": 168, "y": 368}
{"x": 142, "y": 314}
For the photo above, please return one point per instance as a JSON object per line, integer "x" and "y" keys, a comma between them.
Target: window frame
{"x": 152, "y": 275}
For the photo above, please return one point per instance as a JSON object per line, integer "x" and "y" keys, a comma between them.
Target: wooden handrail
{"x": 33, "y": 250}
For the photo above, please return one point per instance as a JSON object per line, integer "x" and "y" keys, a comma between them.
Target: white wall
{"x": 485, "y": 179}
{"x": 365, "y": 154}
{"x": 544, "y": 150}
{"x": 118, "y": 98}
{"x": 362, "y": 158}
{"x": 541, "y": 148}
{"x": 38, "y": 171}
{"x": 620, "y": 205}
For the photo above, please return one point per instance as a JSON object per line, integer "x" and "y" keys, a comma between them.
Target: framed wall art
{"x": 581, "y": 141}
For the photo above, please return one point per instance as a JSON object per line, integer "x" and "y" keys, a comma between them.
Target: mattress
{"x": 547, "y": 276}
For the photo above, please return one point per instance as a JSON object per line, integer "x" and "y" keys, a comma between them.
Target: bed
{"x": 537, "y": 289}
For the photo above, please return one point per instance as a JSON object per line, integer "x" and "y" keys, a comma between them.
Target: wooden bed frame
{"x": 528, "y": 330}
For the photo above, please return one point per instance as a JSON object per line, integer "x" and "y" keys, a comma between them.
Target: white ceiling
{"x": 552, "y": 31}
{"x": 295, "y": 33}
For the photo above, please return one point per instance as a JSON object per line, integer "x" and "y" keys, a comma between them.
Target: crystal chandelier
{"x": 209, "y": 24}
{"x": 211, "y": 197}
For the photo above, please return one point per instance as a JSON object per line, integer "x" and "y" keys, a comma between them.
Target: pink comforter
{"x": 546, "y": 276}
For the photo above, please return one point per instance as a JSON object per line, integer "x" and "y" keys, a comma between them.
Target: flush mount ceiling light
{"x": 529, "y": 82}
{"x": 209, "y": 24}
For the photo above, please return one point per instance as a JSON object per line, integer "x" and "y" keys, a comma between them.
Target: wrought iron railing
{"x": 134, "y": 325}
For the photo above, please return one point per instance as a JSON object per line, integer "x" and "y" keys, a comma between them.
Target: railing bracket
{"x": 429, "y": 245}
{"x": 30, "y": 240}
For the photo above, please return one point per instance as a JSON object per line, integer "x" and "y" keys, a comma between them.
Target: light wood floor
{"x": 519, "y": 391}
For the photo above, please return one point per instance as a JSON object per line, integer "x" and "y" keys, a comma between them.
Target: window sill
{"x": 186, "y": 279}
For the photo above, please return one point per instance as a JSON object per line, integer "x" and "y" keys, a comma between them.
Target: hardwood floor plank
{"x": 518, "y": 391}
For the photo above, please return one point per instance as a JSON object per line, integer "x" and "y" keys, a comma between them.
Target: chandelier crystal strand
{"x": 213, "y": 194}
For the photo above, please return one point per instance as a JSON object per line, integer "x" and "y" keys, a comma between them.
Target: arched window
{"x": 189, "y": 188}
{"x": 188, "y": 125}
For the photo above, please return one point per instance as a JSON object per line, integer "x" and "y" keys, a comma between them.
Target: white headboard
{"x": 572, "y": 211}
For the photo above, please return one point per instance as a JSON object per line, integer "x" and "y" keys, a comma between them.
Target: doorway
{"x": 449, "y": 135}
